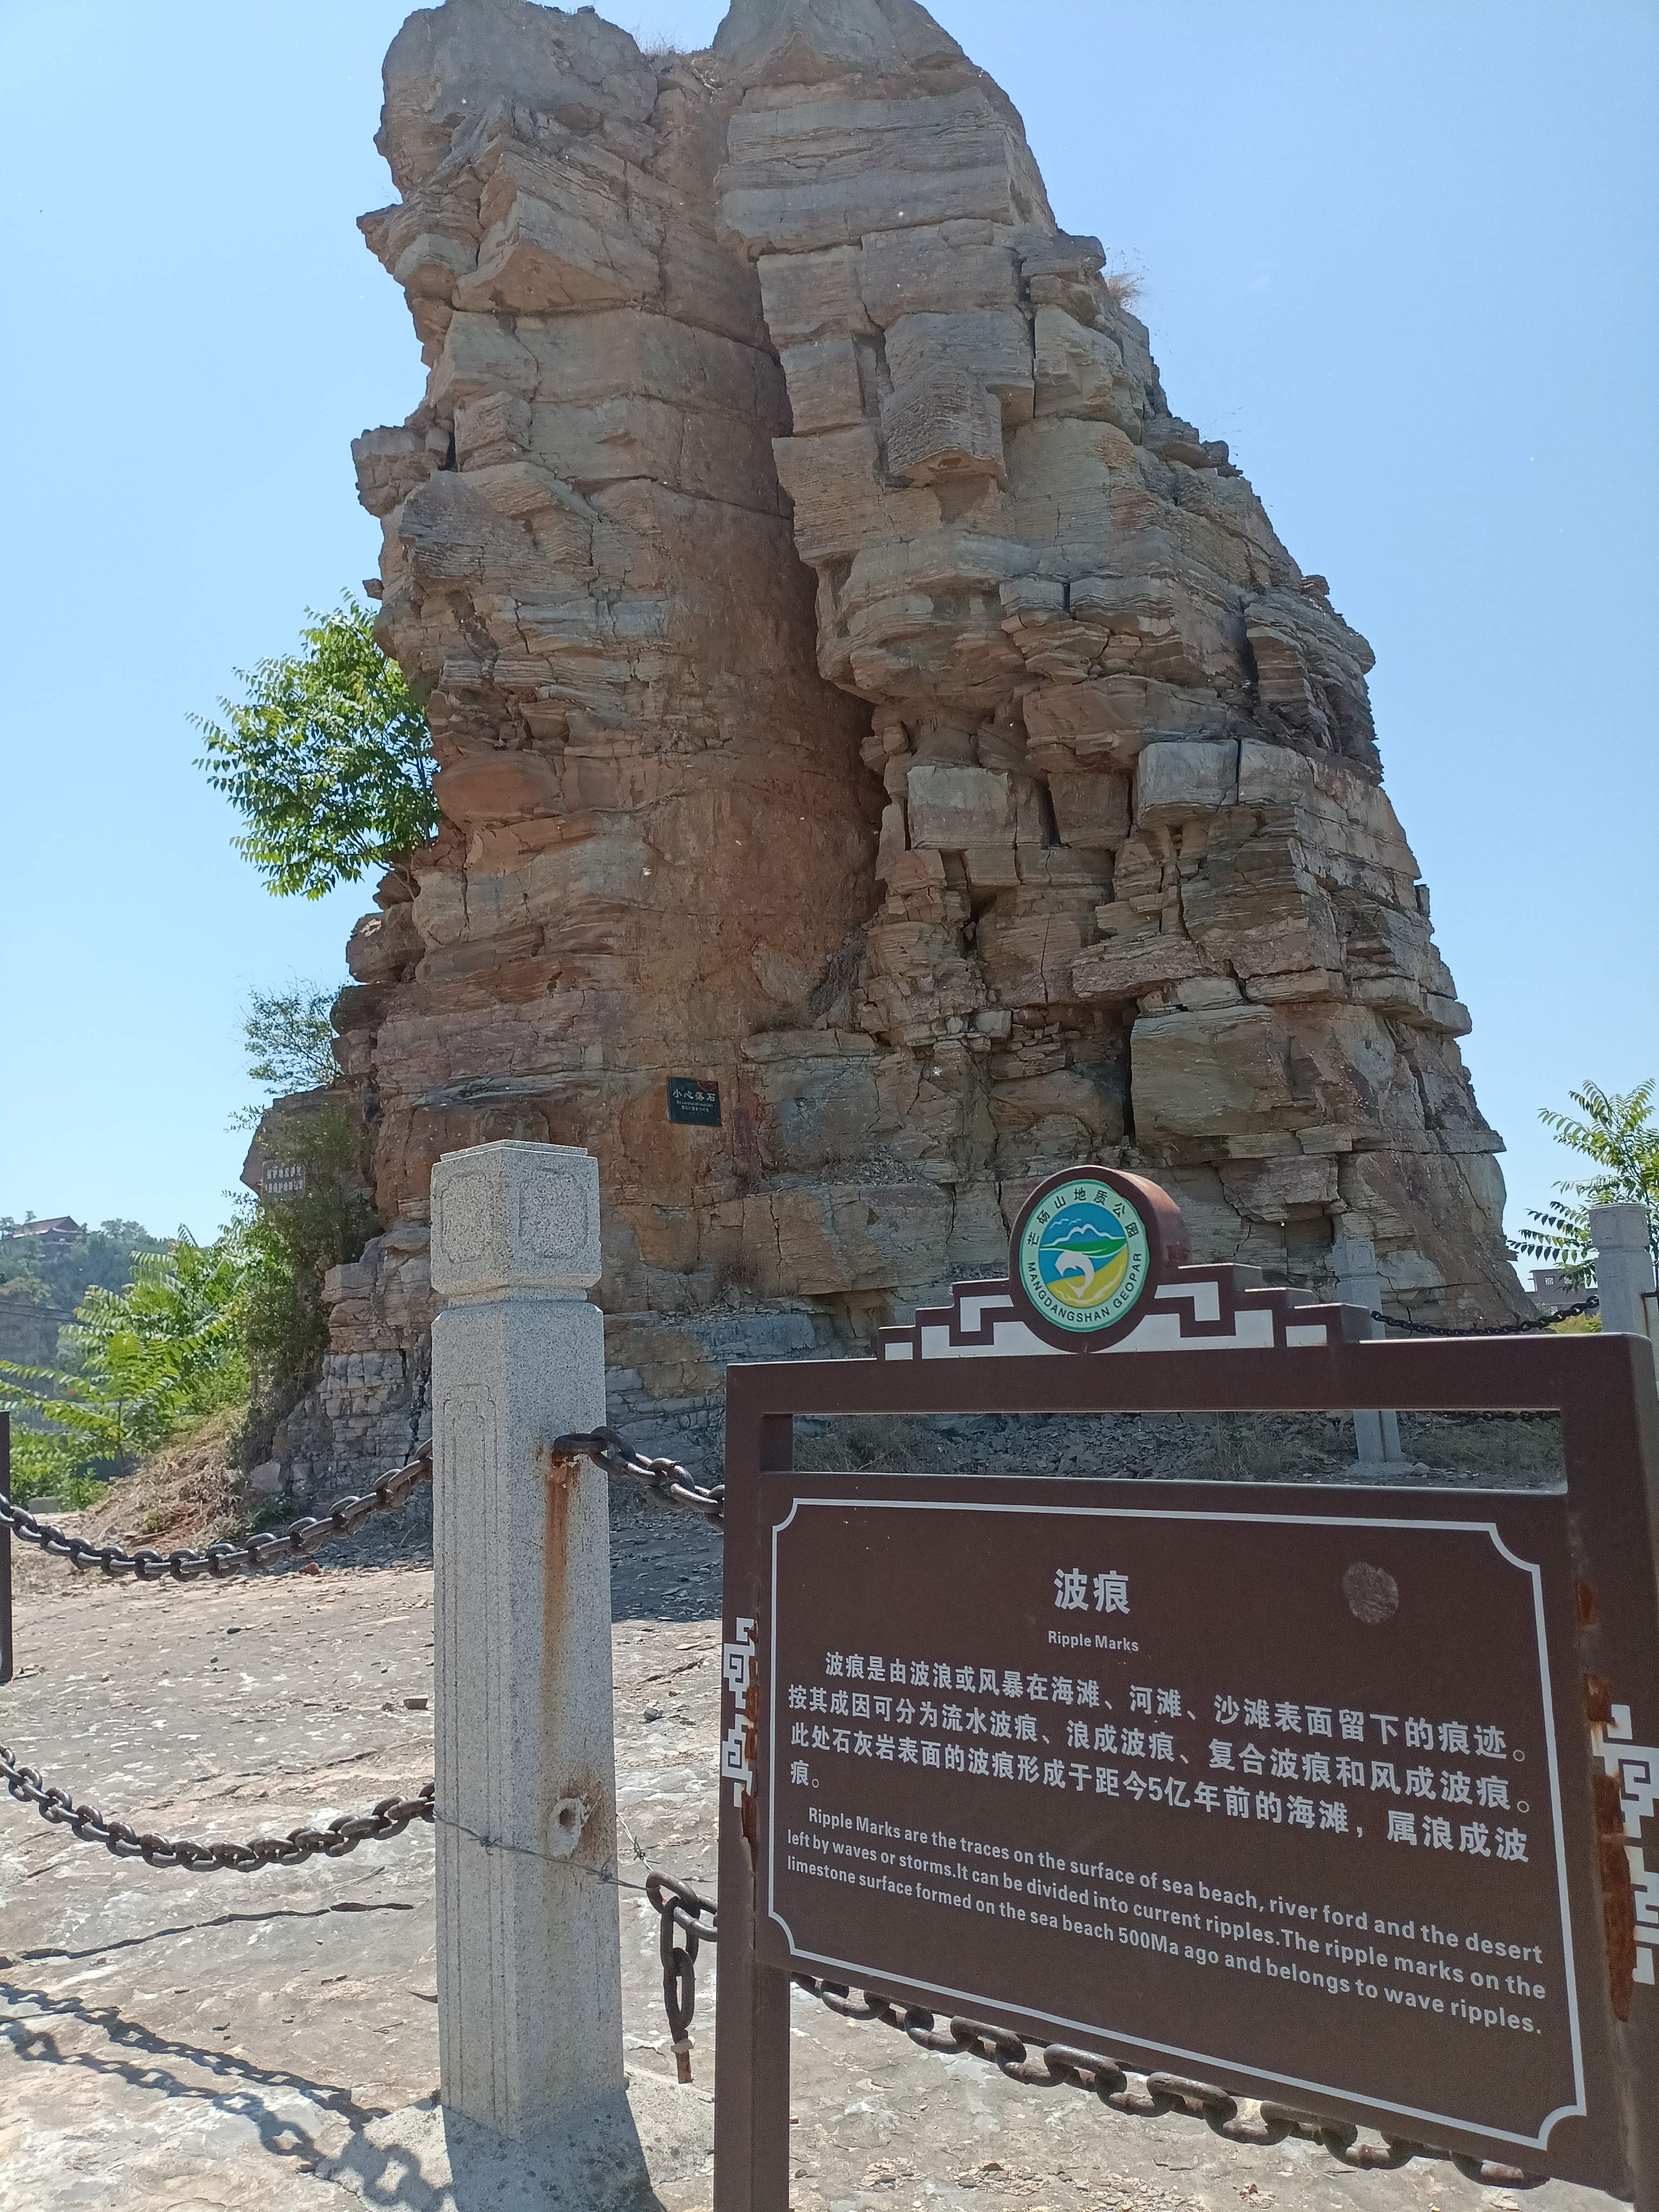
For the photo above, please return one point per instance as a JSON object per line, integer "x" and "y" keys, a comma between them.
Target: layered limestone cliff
{"x": 852, "y": 686}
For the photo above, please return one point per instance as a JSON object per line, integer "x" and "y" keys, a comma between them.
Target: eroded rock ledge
{"x": 1051, "y": 826}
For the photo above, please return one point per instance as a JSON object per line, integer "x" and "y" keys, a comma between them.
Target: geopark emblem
{"x": 1088, "y": 1253}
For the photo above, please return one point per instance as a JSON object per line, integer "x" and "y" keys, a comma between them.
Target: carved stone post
{"x": 1624, "y": 1266}
{"x": 1375, "y": 1436}
{"x": 529, "y": 1962}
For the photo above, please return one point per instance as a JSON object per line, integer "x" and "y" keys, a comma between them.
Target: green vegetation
{"x": 147, "y": 1357}
{"x": 26, "y": 1294}
{"x": 325, "y": 1215}
{"x": 1614, "y": 1131}
{"x": 290, "y": 1038}
{"x": 239, "y": 1324}
{"x": 328, "y": 759}
{"x": 292, "y": 1243}
{"x": 60, "y": 1275}
{"x": 170, "y": 1333}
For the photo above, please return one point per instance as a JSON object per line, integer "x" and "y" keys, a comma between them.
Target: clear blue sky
{"x": 1400, "y": 253}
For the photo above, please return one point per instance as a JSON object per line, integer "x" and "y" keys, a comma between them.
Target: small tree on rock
{"x": 328, "y": 760}
{"x": 1613, "y": 1130}
{"x": 290, "y": 1038}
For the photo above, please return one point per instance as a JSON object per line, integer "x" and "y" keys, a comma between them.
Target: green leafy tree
{"x": 149, "y": 1356}
{"x": 290, "y": 1037}
{"x": 1614, "y": 1131}
{"x": 328, "y": 759}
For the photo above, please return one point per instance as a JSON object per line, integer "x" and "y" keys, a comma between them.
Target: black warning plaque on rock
{"x": 692, "y": 1101}
{"x": 1211, "y": 1782}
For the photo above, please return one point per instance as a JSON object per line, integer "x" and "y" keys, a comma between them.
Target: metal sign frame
{"x": 1599, "y": 1609}
{"x": 7, "y": 1645}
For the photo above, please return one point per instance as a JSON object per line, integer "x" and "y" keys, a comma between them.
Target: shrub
{"x": 292, "y": 1242}
{"x": 328, "y": 760}
{"x": 147, "y": 1356}
{"x": 1617, "y": 1137}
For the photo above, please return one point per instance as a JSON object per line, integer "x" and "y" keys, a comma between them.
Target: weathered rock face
{"x": 1051, "y": 828}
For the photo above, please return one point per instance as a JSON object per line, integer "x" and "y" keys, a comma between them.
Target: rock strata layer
{"x": 853, "y": 687}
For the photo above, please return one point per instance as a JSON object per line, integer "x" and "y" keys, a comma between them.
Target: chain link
{"x": 674, "y": 1484}
{"x": 1148, "y": 2096}
{"x": 679, "y": 1908}
{"x": 1507, "y": 1329}
{"x": 221, "y": 1561}
{"x": 389, "y": 1817}
{"x": 679, "y": 1912}
{"x": 1138, "y": 2096}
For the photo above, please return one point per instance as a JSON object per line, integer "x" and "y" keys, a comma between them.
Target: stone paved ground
{"x": 200, "y": 2043}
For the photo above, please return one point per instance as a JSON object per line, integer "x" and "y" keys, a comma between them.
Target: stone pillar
{"x": 1376, "y": 1435}
{"x": 1624, "y": 1266}
{"x": 529, "y": 1957}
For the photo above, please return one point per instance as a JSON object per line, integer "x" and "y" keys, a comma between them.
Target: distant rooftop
{"x": 1556, "y": 1288}
{"x": 60, "y": 1230}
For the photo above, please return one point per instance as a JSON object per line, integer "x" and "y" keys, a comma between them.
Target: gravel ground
{"x": 169, "y": 2040}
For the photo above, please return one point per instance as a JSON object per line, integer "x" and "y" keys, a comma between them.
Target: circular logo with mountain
{"x": 1087, "y": 1249}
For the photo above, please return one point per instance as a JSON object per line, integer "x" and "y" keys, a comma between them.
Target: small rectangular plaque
{"x": 693, "y": 1101}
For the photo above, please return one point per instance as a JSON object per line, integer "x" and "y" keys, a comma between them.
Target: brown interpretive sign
{"x": 1334, "y": 1796}
{"x": 1187, "y": 1779}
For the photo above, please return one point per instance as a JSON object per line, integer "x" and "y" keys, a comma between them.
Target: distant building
{"x": 59, "y": 1231}
{"x": 1554, "y": 1288}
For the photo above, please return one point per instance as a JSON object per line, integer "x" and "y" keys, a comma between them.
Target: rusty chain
{"x": 679, "y": 1910}
{"x": 392, "y": 1814}
{"x": 1507, "y": 1329}
{"x": 1138, "y": 2096}
{"x": 674, "y": 1484}
{"x": 221, "y": 1561}
{"x": 389, "y": 1817}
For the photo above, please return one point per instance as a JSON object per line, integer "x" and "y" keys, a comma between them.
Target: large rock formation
{"x": 1049, "y": 827}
